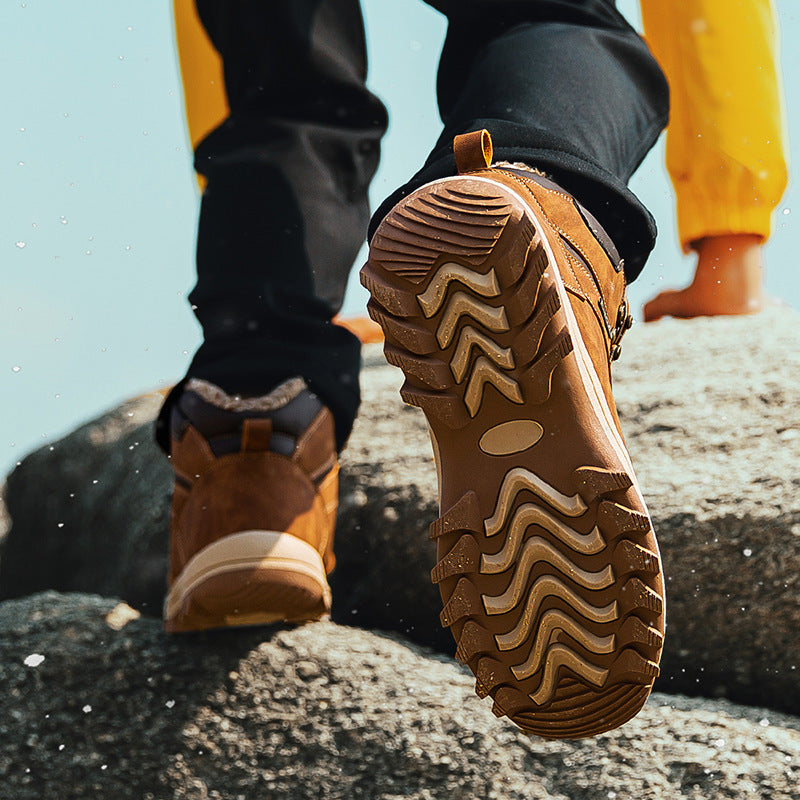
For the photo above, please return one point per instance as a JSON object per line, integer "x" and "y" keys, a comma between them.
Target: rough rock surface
{"x": 711, "y": 411}
{"x": 326, "y": 711}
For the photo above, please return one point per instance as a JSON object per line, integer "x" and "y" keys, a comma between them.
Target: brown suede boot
{"x": 254, "y": 508}
{"x": 503, "y": 302}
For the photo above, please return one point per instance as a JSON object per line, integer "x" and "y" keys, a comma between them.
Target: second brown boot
{"x": 254, "y": 508}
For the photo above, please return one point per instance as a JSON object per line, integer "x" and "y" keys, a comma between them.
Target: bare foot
{"x": 727, "y": 280}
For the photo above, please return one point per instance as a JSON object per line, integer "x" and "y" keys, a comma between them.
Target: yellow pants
{"x": 202, "y": 74}
{"x": 726, "y": 136}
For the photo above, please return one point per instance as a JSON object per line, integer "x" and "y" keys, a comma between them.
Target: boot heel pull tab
{"x": 256, "y": 435}
{"x": 473, "y": 151}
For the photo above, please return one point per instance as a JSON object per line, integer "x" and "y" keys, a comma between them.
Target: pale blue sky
{"x": 98, "y": 208}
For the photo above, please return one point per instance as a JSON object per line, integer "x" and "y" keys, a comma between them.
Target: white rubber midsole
{"x": 242, "y": 551}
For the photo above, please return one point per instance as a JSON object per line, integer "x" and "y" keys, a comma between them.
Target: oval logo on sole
{"x": 511, "y": 437}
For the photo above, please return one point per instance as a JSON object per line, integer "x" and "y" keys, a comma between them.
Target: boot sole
{"x": 548, "y": 567}
{"x": 248, "y": 578}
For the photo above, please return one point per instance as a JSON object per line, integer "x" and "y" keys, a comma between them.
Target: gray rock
{"x": 89, "y": 512}
{"x": 711, "y": 410}
{"x": 326, "y": 711}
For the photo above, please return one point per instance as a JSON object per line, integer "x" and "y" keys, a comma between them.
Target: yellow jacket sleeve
{"x": 726, "y": 140}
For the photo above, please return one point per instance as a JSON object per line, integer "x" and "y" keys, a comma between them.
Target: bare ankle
{"x": 730, "y": 268}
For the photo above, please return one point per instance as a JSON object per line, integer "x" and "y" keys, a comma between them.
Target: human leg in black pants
{"x": 566, "y": 86}
{"x": 270, "y": 397}
{"x": 284, "y": 211}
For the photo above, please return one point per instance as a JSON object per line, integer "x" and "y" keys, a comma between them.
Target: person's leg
{"x": 285, "y": 206}
{"x": 728, "y": 279}
{"x": 725, "y": 149}
{"x": 566, "y": 86}
{"x": 503, "y": 301}
{"x": 270, "y": 396}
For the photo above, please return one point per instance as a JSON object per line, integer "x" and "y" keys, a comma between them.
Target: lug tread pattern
{"x": 551, "y": 596}
{"x": 451, "y": 305}
{"x": 561, "y": 630}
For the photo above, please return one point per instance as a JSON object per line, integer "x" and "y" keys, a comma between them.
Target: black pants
{"x": 563, "y": 85}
